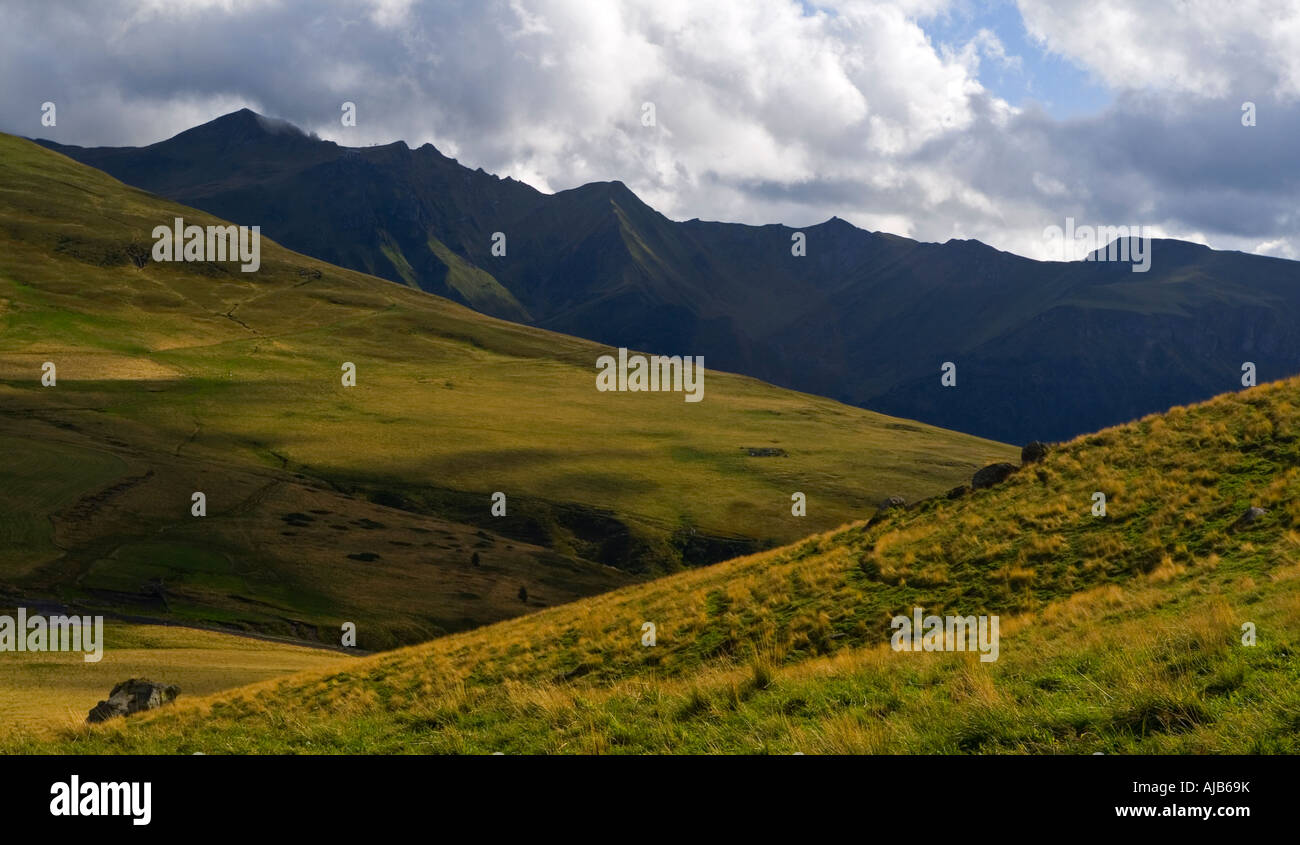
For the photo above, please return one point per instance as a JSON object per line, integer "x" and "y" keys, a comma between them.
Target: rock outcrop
{"x": 133, "y": 696}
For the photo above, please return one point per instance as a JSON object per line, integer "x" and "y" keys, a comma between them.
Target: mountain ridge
{"x": 1044, "y": 350}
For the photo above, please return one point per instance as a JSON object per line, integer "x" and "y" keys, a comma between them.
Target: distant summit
{"x": 241, "y": 126}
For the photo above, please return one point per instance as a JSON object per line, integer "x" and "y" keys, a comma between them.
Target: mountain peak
{"x": 244, "y": 117}
{"x": 240, "y": 126}
{"x": 614, "y": 191}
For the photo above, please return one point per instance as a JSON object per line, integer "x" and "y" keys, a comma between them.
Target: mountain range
{"x": 1043, "y": 350}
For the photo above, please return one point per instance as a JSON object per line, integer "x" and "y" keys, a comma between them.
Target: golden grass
{"x": 47, "y": 692}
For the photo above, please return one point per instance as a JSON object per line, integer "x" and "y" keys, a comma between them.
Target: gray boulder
{"x": 133, "y": 696}
{"x": 1251, "y": 516}
{"x": 990, "y": 475}
{"x": 893, "y": 502}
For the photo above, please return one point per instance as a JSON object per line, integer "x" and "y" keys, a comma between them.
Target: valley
{"x": 371, "y": 504}
{"x": 1168, "y": 626}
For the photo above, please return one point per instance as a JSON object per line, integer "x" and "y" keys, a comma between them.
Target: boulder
{"x": 1252, "y": 515}
{"x": 764, "y": 452}
{"x": 133, "y": 696}
{"x": 1033, "y": 452}
{"x": 990, "y": 475}
{"x": 893, "y": 502}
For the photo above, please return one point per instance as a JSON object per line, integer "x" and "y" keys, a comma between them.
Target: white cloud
{"x": 1280, "y": 248}
{"x": 1243, "y": 49}
{"x": 766, "y": 111}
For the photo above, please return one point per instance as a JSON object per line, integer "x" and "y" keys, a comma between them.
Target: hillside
{"x": 1044, "y": 350}
{"x": 370, "y": 504}
{"x": 1121, "y": 633}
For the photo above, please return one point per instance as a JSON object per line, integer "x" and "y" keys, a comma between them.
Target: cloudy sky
{"x": 934, "y": 119}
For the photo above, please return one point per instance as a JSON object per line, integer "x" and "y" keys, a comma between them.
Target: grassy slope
{"x": 1121, "y": 633}
{"x": 367, "y": 504}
